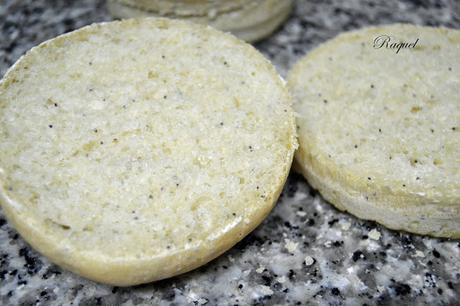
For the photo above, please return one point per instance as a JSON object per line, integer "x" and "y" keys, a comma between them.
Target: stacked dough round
{"x": 249, "y": 20}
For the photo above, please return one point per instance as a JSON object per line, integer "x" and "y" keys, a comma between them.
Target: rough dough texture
{"x": 379, "y": 131}
{"x": 133, "y": 151}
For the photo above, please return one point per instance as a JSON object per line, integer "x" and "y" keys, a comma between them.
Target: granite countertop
{"x": 306, "y": 252}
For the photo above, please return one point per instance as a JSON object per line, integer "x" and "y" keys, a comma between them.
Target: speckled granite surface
{"x": 306, "y": 252}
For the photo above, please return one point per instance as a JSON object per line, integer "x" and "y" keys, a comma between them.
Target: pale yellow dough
{"x": 379, "y": 131}
{"x": 250, "y": 20}
{"x": 137, "y": 150}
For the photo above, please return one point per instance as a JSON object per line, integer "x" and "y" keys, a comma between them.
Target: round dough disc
{"x": 136, "y": 150}
{"x": 379, "y": 129}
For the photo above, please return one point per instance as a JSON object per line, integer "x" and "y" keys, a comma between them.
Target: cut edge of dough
{"x": 384, "y": 210}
